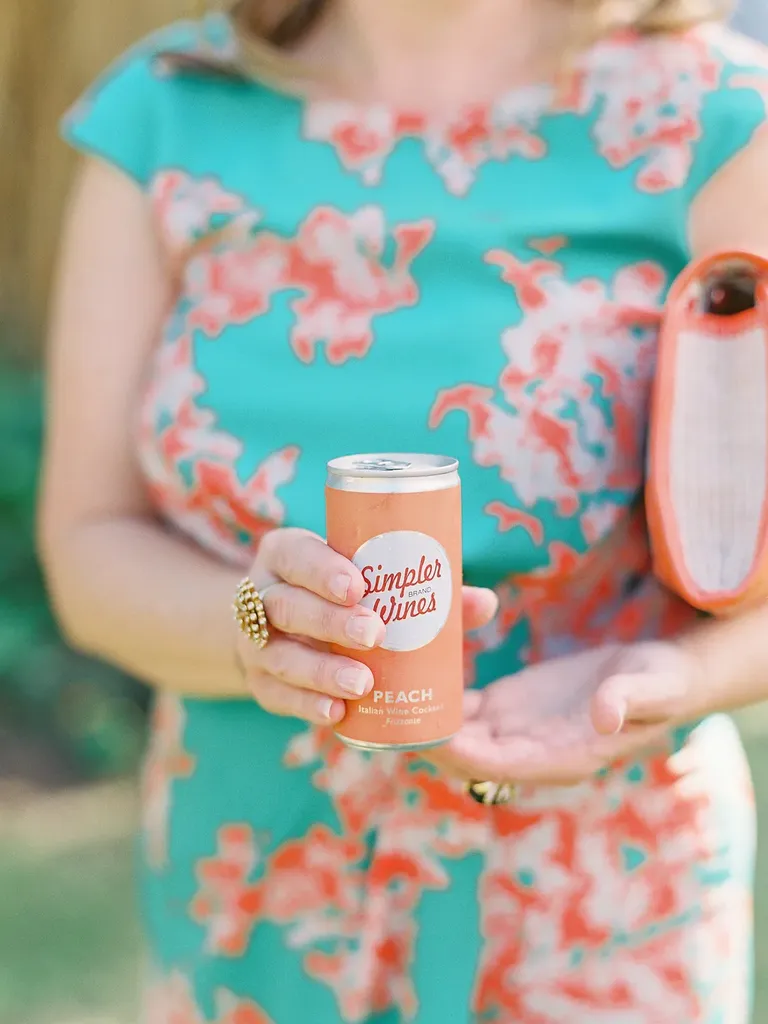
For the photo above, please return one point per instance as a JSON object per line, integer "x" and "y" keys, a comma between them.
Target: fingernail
{"x": 325, "y": 708}
{"x": 340, "y": 586}
{"x": 356, "y": 681}
{"x": 621, "y": 711}
{"x": 363, "y": 630}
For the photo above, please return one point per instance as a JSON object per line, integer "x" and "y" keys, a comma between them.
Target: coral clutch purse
{"x": 707, "y": 489}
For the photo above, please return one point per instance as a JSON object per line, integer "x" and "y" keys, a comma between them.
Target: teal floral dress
{"x": 358, "y": 278}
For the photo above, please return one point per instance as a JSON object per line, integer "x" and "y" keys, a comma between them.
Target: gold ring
{"x": 492, "y": 794}
{"x": 250, "y": 614}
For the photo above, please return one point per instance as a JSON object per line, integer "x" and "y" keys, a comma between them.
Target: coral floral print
{"x": 580, "y": 870}
{"x": 648, "y": 98}
{"x": 336, "y": 262}
{"x": 568, "y": 331}
{"x": 570, "y": 335}
{"x": 547, "y": 888}
{"x": 190, "y": 464}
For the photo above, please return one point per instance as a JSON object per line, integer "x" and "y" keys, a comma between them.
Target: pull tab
{"x": 381, "y": 465}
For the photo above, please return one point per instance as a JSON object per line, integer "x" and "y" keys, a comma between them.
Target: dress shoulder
{"x": 120, "y": 117}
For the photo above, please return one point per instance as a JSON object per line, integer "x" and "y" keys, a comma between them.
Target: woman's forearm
{"x": 131, "y": 593}
{"x": 731, "y": 656}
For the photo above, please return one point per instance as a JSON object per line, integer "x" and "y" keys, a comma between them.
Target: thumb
{"x": 610, "y": 706}
{"x": 645, "y": 698}
{"x": 479, "y": 607}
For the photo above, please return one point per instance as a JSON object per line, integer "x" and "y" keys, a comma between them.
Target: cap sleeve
{"x": 734, "y": 111}
{"x": 116, "y": 118}
{"x": 120, "y": 118}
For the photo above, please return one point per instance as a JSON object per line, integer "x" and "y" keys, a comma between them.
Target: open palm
{"x": 538, "y": 725}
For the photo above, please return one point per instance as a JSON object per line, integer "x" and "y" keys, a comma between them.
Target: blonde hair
{"x": 268, "y": 30}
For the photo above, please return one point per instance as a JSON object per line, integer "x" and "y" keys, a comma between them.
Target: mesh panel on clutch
{"x": 707, "y": 492}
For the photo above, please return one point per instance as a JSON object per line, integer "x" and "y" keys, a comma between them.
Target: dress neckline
{"x": 214, "y": 46}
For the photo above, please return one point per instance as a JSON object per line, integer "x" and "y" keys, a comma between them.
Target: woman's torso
{"x": 359, "y": 281}
{"x": 489, "y": 287}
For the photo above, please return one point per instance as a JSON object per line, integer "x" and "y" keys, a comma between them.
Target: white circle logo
{"x": 408, "y": 583}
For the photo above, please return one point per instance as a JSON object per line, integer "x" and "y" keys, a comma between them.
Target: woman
{"x": 355, "y": 226}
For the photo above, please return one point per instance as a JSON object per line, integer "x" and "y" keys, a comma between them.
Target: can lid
{"x": 392, "y": 464}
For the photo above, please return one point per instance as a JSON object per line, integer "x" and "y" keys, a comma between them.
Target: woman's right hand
{"x": 311, "y": 597}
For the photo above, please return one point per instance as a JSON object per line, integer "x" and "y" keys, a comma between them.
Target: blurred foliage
{"x": 88, "y": 717}
{"x": 61, "y": 715}
{"x": 50, "y": 51}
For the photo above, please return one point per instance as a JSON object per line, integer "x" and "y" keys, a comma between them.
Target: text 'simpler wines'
{"x": 398, "y": 518}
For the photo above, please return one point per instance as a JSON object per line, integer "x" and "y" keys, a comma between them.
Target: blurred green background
{"x": 71, "y": 730}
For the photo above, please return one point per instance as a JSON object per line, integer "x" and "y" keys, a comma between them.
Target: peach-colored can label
{"x": 398, "y": 518}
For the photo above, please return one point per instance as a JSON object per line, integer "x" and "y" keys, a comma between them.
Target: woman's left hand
{"x": 560, "y": 722}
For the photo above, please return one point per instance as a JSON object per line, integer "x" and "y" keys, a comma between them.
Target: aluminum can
{"x": 397, "y": 517}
